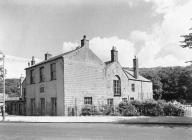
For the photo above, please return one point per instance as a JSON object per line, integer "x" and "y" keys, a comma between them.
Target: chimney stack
{"x": 33, "y": 61}
{"x": 48, "y": 56}
{"x": 84, "y": 42}
{"x": 114, "y": 54}
{"x": 136, "y": 67}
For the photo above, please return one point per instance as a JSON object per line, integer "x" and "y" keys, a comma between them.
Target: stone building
{"x": 63, "y": 84}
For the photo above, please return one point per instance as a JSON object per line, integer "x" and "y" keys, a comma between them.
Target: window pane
{"x": 42, "y": 75}
{"x": 32, "y": 76}
{"x": 117, "y": 87}
{"x": 53, "y": 71}
{"x": 110, "y": 102}
{"x": 88, "y": 100}
{"x": 133, "y": 87}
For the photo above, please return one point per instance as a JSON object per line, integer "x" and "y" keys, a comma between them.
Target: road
{"x": 95, "y": 131}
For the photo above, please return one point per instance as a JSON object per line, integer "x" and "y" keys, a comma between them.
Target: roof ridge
{"x": 55, "y": 57}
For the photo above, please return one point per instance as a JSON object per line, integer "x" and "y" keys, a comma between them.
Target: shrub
{"x": 106, "y": 110}
{"x": 172, "y": 110}
{"x": 139, "y": 106}
{"x": 88, "y": 110}
{"x": 157, "y": 108}
{"x": 127, "y": 109}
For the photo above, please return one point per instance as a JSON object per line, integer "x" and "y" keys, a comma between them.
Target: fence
{"x": 188, "y": 110}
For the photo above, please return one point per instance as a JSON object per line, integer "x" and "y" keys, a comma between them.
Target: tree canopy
{"x": 170, "y": 83}
{"x": 187, "y": 42}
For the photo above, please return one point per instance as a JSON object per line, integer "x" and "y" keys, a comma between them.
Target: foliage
{"x": 88, "y": 110}
{"x": 11, "y": 87}
{"x": 170, "y": 83}
{"x": 150, "y": 108}
{"x": 127, "y": 109}
{"x": 172, "y": 110}
{"x": 187, "y": 42}
{"x": 106, "y": 110}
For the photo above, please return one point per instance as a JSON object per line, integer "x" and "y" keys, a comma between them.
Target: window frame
{"x": 42, "y": 74}
{"x": 124, "y": 99}
{"x": 88, "y": 101}
{"x": 40, "y": 89}
{"x": 32, "y": 76}
{"x": 42, "y": 105}
{"x": 117, "y": 87}
{"x": 32, "y": 106}
{"x": 133, "y": 87}
{"x": 110, "y": 102}
{"x": 53, "y": 106}
{"x": 53, "y": 71}
{"x": 24, "y": 93}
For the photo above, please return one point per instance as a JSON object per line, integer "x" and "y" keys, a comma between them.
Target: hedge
{"x": 136, "y": 108}
{"x": 151, "y": 108}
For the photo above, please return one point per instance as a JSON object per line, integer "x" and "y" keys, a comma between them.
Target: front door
{"x": 42, "y": 106}
{"x": 53, "y": 106}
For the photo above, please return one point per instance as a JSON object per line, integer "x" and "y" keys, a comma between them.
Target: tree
{"x": 187, "y": 42}
{"x": 170, "y": 83}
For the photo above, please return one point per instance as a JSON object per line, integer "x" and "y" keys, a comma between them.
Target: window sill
{"x": 117, "y": 95}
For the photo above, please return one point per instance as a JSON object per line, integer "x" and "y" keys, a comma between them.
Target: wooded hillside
{"x": 170, "y": 83}
{"x": 12, "y": 87}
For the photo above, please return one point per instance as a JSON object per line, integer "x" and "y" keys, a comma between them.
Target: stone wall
{"x": 52, "y": 88}
{"x": 80, "y": 73}
{"x": 83, "y": 77}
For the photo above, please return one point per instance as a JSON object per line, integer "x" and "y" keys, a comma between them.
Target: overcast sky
{"x": 150, "y": 29}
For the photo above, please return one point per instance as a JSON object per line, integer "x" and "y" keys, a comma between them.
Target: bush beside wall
{"x": 154, "y": 108}
{"x": 135, "y": 108}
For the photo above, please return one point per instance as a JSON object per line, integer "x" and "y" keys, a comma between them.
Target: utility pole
{"x": 3, "y": 87}
{"x": 3, "y": 77}
{"x": 21, "y": 87}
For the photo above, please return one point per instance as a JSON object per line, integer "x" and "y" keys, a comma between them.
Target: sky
{"x": 149, "y": 29}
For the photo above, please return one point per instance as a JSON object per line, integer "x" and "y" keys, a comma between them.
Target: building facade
{"x": 63, "y": 84}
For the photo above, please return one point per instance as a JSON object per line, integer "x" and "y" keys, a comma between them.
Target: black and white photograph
{"x": 95, "y": 69}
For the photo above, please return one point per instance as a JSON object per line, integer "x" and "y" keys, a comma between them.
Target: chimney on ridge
{"x": 114, "y": 55}
{"x": 33, "y": 61}
{"x": 84, "y": 42}
{"x": 136, "y": 67}
{"x": 47, "y": 56}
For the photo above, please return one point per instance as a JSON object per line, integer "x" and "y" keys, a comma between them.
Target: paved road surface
{"x": 95, "y": 131}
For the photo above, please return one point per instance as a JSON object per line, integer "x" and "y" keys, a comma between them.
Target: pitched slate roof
{"x": 54, "y": 57}
{"x": 130, "y": 75}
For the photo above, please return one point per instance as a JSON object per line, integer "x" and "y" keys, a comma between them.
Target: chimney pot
{"x": 136, "y": 67}
{"x": 114, "y": 54}
{"x": 84, "y": 42}
{"x": 48, "y": 56}
{"x": 33, "y": 61}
